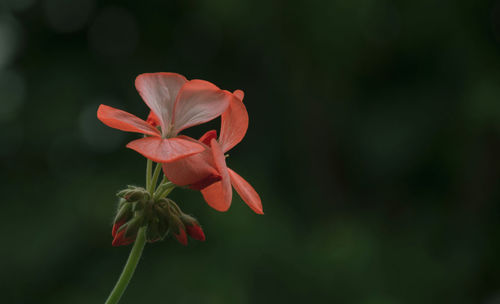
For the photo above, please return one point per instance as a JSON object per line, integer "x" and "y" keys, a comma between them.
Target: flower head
{"x": 207, "y": 171}
{"x": 176, "y": 104}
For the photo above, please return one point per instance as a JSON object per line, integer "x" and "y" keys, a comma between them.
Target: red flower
{"x": 207, "y": 171}
{"x": 176, "y": 104}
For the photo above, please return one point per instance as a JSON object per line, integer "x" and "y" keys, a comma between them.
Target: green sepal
{"x": 133, "y": 226}
{"x": 137, "y": 206}
{"x": 124, "y": 212}
{"x": 153, "y": 234}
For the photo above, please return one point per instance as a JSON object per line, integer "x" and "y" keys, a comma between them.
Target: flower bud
{"x": 178, "y": 230}
{"x": 138, "y": 195}
{"x": 136, "y": 209}
{"x": 196, "y": 232}
{"x": 124, "y": 212}
{"x": 157, "y": 230}
{"x": 193, "y": 228}
{"x": 133, "y": 193}
{"x": 153, "y": 233}
{"x": 116, "y": 226}
{"x": 133, "y": 226}
{"x": 181, "y": 237}
{"x": 120, "y": 239}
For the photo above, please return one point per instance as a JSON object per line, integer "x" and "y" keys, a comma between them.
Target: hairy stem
{"x": 149, "y": 170}
{"x": 154, "y": 180}
{"x": 129, "y": 268}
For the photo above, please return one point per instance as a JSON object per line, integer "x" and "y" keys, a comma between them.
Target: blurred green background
{"x": 374, "y": 142}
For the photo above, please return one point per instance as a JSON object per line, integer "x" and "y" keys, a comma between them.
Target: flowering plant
{"x": 146, "y": 214}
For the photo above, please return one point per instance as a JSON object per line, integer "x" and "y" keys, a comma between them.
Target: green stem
{"x": 154, "y": 181}
{"x": 165, "y": 193}
{"x": 149, "y": 169}
{"x": 162, "y": 187}
{"x": 129, "y": 268}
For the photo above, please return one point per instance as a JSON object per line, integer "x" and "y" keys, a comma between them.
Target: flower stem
{"x": 154, "y": 181}
{"x": 149, "y": 170}
{"x": 129, "y": 268}
{"x": 162, "y": 193}
{"x": 162, "y": 187}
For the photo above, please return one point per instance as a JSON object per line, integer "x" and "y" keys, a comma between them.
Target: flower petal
{"x": 165, "y": 149}
{"x": 246, "y": 191}
{"x": 196, "y": 232}
{"x": 207, "y": 137}
{"x": 153, "y": 119}
{"x": 234, "y": 123}
{"x": 219, "y": 194}
{"x": 191, "y": 169}
{"x": 159, "y": 91}
{"x": 124, "y": 121}
{"x": 239, "y": 94}
{"x": 181, "y": 237}
{"x": 198, "y": 101}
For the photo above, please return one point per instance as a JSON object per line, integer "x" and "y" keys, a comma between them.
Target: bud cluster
{"x": 136, "y": 209}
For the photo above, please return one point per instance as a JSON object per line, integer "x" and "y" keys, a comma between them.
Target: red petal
{"x": 207, "y": 181}
{"x": 159, "y": 91}
{"x": 120, "y": 239}
{"x": 239, "y": 94}
{"x": 246, "y": 191}
{"x": 165, "y": 149}
{"x": 207, "y": 137}
{"x": 234, "y": 123}
{"x": 116, "y": 226}
{"x": 124, "y": 121}
{"x": 196, "y": 232}
{"x": 191, "y": 169}
{"x": 219, "y": 194}
{"x": 198, "y": 101}
{"x": 181, "y": 237}
{"x": 153, "y": 119}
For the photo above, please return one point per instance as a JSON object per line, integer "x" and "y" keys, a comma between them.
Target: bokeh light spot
{"x": 68, "y": 16}
{"x": 9, "y": 39}
{"x": 114, "y": 33}
{"x": 19, "y": 5}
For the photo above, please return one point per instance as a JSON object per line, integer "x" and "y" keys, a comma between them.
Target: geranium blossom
{"x": 176, "y": 104}
{"x": 207, "y": 171}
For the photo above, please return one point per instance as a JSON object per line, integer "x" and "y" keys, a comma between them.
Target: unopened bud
{"x": 120, "y": 239}
{"x": 196, "y": 232}
{"x": 137, "y": 206}
{"x": 181, "y": 237}
{"x": 133, "y": 193}
{"x": 179, "y": 230}
{"x": 153, "y": 234}
{"x": 133, "y": 226}
{"x": 124, "y": 212}
{"x": 193, "y": 228}
{"x": 116, "y": 226}
{"x": 138, "y": 195}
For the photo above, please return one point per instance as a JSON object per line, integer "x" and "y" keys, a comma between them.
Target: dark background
{"x": 374, "y": 142}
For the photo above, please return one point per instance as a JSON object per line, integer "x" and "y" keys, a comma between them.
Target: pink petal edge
{"x": 165, "y": 149}
{"x": 234, "y": 123}
{"x": 219, "y": 194}
{"x": 198, "y": 101}
{"x": 124, "y": 121}
{"x": 246, "y": 192}
{"x": 159, "y": 91}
